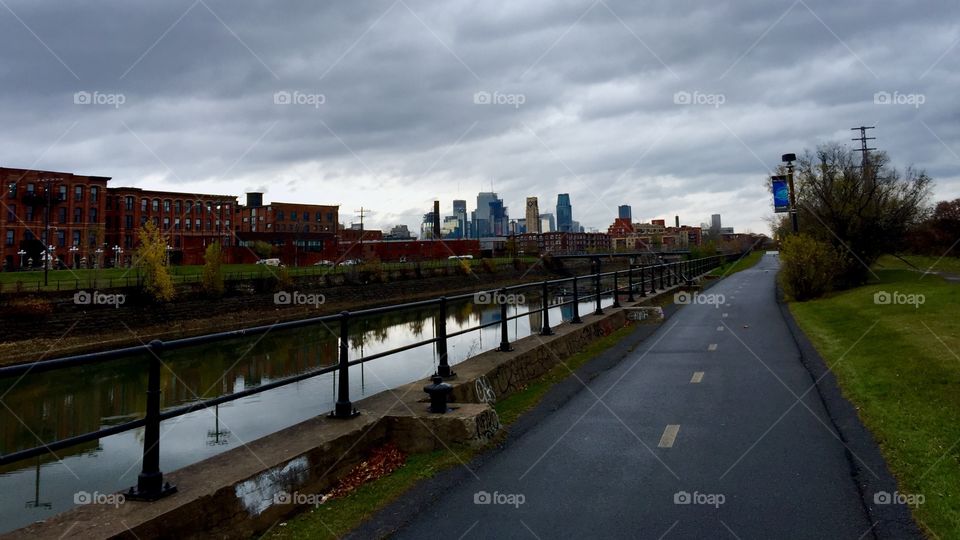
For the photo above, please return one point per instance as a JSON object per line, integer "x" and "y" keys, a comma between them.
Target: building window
{"x": 78, "y": 193}
{"x": 166, "y": 223}
{"x": 176, "y": 225}
{"x": 12, "y": 213}
{"x": 143, "y": 205}
{"x": 189, "y": 206}
{"x": 329, "y": 217}
{"x": 279, "y": 215}
{"x": 209, "y": 225}
{"x": 93, "y": 215}
{"x": 128, "y": 202}
{"x": 166, "y": 205}
{"x": 178, "y": 206}
{"x": 94, "y": 192}
{"x": 226, "y": 224}
{"x": 61, "y": 238}
{"x": 156, "y": 205}
{"x": 78, "y": 215}
{"x": 189, "y": 224}
{"x": 128, "y": 241}
{"x": 31, "y": 189}
{"x": 10, "y": 238}
{"x": 293, "y": 216}
{"x": 28, "y": 213}
{"x": 76, "y": 238}
{"x": 62, "y": 193}
{"x": 129, "y": 221}
{"x": 12, "y": 190}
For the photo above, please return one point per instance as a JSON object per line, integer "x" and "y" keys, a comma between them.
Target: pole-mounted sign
{"x": 781, "y": 194}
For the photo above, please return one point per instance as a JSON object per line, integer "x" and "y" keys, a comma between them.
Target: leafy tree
{"x": 863, "y": 212}
{"x": 151, "y": 259}
{"x": 262, "y": 249}
{"x": 808, "y": 267}
{"x": 212, "y": 270}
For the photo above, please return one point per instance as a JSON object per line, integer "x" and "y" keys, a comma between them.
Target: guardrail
{"x": 150, "y": 485}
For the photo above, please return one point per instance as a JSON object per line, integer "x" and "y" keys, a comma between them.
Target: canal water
{"x": 49, "y": 406}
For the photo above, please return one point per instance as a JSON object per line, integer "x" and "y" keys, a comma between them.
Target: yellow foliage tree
{"x": 151, "y": 259}
{"x": 212, "y": 274}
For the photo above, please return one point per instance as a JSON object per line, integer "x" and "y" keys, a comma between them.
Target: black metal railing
{"x": 150, "y": 484}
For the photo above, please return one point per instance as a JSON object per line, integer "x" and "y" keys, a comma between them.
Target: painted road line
{"x": 712, "y": 347}
{"x": 719, "y": 329}
{"x": 669, "y": 436}
{"x": 697, "y": 377}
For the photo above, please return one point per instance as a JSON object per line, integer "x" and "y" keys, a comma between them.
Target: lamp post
{"x": 168, "y": 250}
{"x": 51, "y": 253}
{"x": 48, "y": 191}
{"x": 117, "y": 251}
{"x": 789, "y": 159}
{"x": 99, "y": 253}
{"x": 21, "y": 253}
{"x": 73, "y": 255}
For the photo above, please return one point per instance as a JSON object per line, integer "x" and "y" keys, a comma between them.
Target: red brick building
{"x": 408, "y": 250}
{"x": 301, "y": 234}
{"x": 74, "y": 204}
{"x": 563, "y": 243}
{"x": 190, "y": 221}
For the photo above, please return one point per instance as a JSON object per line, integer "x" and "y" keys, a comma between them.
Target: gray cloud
{"x": 398, "y": 126}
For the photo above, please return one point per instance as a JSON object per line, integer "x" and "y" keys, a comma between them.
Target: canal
{"x": 55, "y": 405}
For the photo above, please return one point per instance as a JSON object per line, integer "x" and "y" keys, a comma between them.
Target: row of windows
{"x": 279, "y": 216}
{"x": 176, "y": 205}
{"x": 60, "y": 238}
{"x": 61, "y": 191}
{"x": 31, "y": 214}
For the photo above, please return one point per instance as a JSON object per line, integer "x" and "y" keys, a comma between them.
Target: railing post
{"x": 545, "y": 330}
{"x": 643, "y": 279}
{"x": 504, "y": 327}
{"x": 616, "y": 290}
{"x": 630, "y": 297}
{"x": 596, "y": 286}
{"x": 443, "y": 367}
{"x": 576, "y": 303}
{"x": 661, "y": 276}
{"x": 343, "y": 408}
{"x": 150, "y": 485}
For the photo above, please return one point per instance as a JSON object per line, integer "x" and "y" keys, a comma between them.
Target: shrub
{"x": 212, "y": 274}
{"x": 808, "y": 267}
{"x": 151, "y": 258}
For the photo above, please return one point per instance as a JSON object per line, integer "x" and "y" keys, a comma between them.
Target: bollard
{"x": 344, "y": 409}
{"x": 439, "y": 393}
{"x": 150, "y": 485}
{"x": 443, "y": 367}
{"x": 545, "y": 330}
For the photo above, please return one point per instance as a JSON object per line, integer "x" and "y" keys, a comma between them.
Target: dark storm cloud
{"x": 387, "y": 117}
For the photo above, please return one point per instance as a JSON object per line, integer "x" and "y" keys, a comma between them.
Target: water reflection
{"x": 55, "y": 405}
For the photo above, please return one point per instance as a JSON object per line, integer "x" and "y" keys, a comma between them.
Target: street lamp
{"x": 789, "y": 159}
{"x": 73, "y": 255}
{"x": 117, "y": 251}
{"x": 168, "y": 249}
{"x": 21, "y": 253}
{"x": 99, "y": 253}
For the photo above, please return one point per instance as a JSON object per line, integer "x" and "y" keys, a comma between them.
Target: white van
{"x": 269, "y": 262}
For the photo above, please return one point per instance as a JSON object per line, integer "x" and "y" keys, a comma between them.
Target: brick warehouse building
{"x": 190, "y": 221}
{"x": 76, "y": 206}
{"x": 301, "y": 234}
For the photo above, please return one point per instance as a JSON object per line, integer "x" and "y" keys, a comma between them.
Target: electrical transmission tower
{"x": 864, "y": 149}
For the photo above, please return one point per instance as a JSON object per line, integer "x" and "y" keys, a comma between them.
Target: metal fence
{"x": 639, "y": 280}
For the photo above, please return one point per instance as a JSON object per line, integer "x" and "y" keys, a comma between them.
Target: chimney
{"x": 436, "y": 219}
{"x": 254, "y": 199}
{"x": 677, "y": 221}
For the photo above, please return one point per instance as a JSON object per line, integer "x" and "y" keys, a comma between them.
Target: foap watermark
{"x": 297, "y": 498}
{"x": 497, "y": 98}
{"x": 699, "y": 98}
{"x": 109, "y": 499}
{"x": 509, "y": 499}
{"x": 497, "y": 297}
{"x": 896, "y": 98}
{"x": 688, "y": 298}
{"x": 709, "y": 499}
{"x": 297, "y": 298}
{"x": 97, "y": 298}
{"x": 98, "y": 98}
{"x": 897, "y": 298}
{"x": 909, "y": 499}
{"x": 284, "y": 97}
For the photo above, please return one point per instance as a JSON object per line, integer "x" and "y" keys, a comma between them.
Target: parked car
{"x": 269, "y": 262}
{"x": 350, "y": 262}
{"x": 459, "y": 257}
{"x": 324, "y": 262}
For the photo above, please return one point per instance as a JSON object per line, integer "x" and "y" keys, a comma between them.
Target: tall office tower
{"x": 533, "y": 215}
{"x": 498, "y": 218}
{"x": 624, "y": 212}
{"x": 460, "y": 212}
{"x": 482, "y": 224}
{"x": 547, "y": 223}
{"x": 564, "y": 213}
{"x": 715, "y": 222}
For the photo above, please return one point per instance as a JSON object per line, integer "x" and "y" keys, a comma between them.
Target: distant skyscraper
{"x": 482, "y": 225}
{"x": 547, "y": 223}
{"x": 460, "y": 212}
{"x": 624, "y": 212}
{"x": 715, "y": 222}
{"x": 564, "y": 213}
{"x": 499, "y": 221}
{"x": 533, "y": 215}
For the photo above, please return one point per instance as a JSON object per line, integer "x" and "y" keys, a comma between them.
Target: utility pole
{"x": 864, "y": 150}
{"x": 362, "y": 213}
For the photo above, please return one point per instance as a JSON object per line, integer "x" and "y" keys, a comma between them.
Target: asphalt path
{"x": 711, "y": 428}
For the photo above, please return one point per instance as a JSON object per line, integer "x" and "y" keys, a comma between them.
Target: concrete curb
{"x": 862, "y": 451}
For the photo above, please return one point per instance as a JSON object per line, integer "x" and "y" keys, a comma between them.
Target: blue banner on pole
{"x": 781, "y": 194}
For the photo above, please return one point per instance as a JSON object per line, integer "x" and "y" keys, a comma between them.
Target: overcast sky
{"x": 671, "y": 107}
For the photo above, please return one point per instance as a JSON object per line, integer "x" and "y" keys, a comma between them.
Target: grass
{"x": 123, "y": 277}
{"x": 904, "y": 378}
{"x": 729, "y": 268}
{"x": 950, "y": 265}
{"x": 339, "y": 516}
